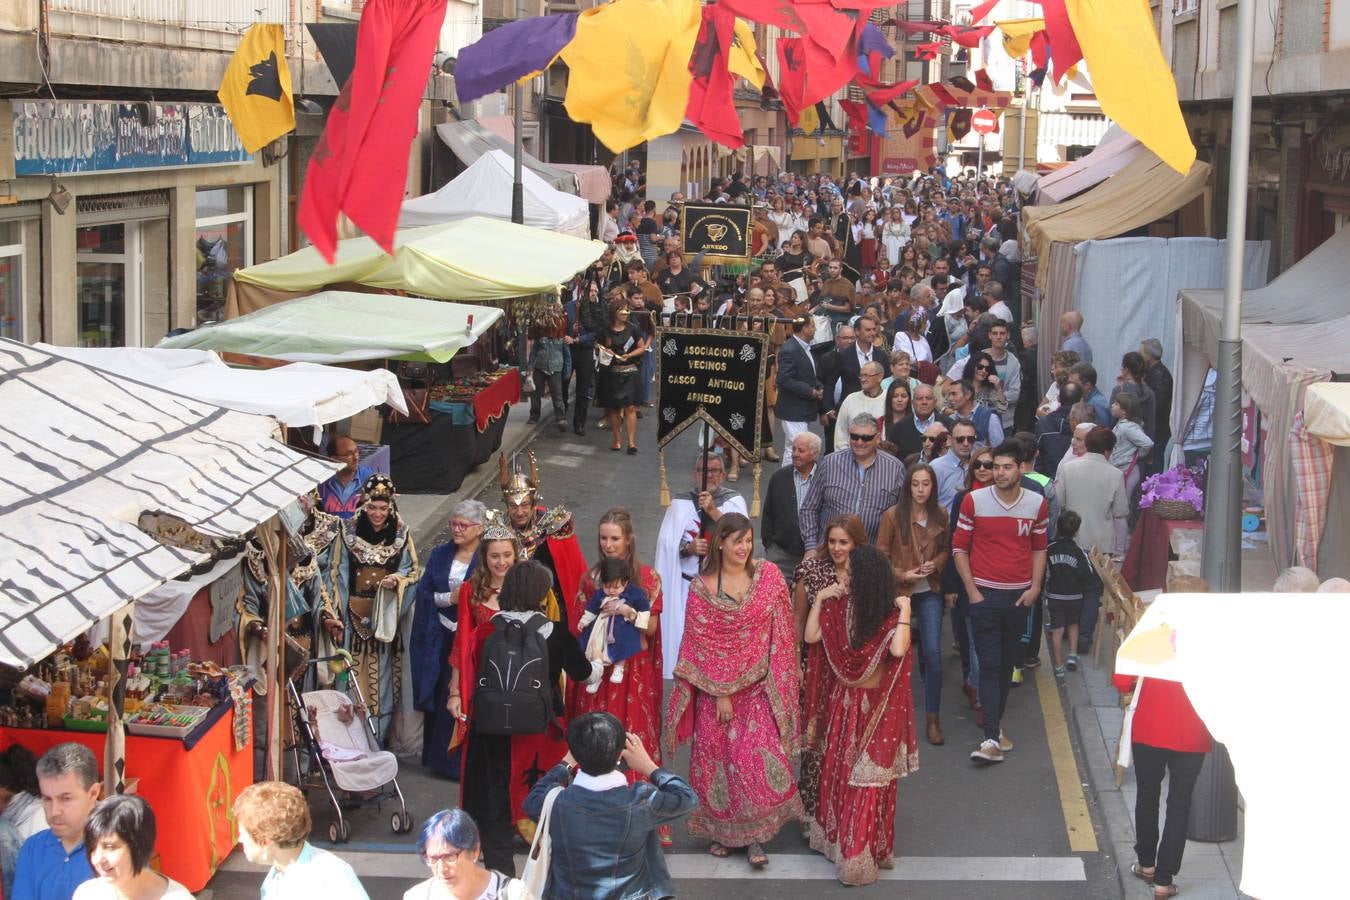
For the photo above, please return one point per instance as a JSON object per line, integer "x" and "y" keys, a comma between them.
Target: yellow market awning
{"x": 472, "y": 260}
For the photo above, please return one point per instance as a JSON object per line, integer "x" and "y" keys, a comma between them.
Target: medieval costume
{"x": 374, "y": 616}
{"x": 745, "y": 649}
{"x": 682, "y": 524}
{"x": 435, "y": 626}
{"x": 866, "y": 738}
{"x": 550, "y": 537}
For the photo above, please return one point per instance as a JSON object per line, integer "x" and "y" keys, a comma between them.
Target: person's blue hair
{"x": 453, "y": 827}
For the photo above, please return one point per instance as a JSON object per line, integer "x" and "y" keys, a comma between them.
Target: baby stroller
{"x": 338, "y": 739}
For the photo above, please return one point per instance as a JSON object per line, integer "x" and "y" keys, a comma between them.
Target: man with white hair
{"x": 1296, "y": 580}
{"x": 1334, "y": 586}
{"x": 868, "y": 399}
{"x": 778, "y": 525}
{"x": 1070, "y": 328}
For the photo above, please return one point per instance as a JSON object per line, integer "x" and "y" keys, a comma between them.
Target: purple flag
{"x": 873, "y": 41}
{"x": 510, "y": 52}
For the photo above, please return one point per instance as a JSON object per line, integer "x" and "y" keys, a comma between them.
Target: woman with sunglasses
{"x": 914, "y": 537}
{"x": 980, "y": 476}
{"x": 982, "y": 372}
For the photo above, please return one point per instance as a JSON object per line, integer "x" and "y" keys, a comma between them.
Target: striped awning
{"x": 86, "y": 453}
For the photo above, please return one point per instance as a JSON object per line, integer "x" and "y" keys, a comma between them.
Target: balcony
{"x": 199, "y": 24}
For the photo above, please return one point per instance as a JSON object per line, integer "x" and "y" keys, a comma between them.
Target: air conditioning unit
{"x": 489, "y": 105}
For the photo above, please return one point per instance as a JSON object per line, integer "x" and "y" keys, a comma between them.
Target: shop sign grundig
{"x": 715, "y": 377}
{"x": 720, "y": 233}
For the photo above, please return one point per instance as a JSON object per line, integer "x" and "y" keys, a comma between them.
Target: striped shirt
{"x": 839, "y": 487}
{"x": 1001, "y": 538}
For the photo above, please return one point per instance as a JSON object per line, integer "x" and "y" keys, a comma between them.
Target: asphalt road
{"x": 1023, "y": 829}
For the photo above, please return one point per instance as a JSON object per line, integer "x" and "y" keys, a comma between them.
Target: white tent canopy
{"x": 299, "y": 395}
{"x": 484, "y": 189}
{"x": 1115, "y": 150}
{"x": 88, "y": 452}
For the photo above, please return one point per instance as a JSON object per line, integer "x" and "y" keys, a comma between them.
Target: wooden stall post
{"x": 271, "y": 535}
{"x": 115, "y": 744}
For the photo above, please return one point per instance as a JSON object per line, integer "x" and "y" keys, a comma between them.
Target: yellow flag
{"x": 629, "y": 69}
{"x": 1017, "y": 34}
{"x": 809, "y": 120}
{"x": 1131, "y": 77}
{"x": 256, "y": 90}
{"x": 743, "y": 60}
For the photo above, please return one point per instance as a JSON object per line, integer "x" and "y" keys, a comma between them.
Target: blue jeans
{"x": 927, "y": 609}
{"x": 998, "y": 624}
{"x": 972, "y": 658}
{"x": 1087, "y": 622}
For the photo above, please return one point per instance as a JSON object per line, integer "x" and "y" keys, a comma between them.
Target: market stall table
{"x": 1145, "y": 566}
{"x": 191, "y": 788}
{"x": 465, "y": 430}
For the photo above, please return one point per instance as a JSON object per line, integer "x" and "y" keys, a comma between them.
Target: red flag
{"x": 912, "y": 28}
{"x": 967, "y": 37}
{"x": 857, "y": 115}
{"x": 361, "y": 162}
{"x": 826, "y": 70}
{"x": 982, "y": 10}
{"x": 792, "y": 76}
{"x": 1040, "y": 50}
{"x": 710, "y": 106}
{"x": 983, "y": 81}
{"x": 927, "y": 52}
{"x": 879, "y": 93}
{"x": 1064, "y": 49}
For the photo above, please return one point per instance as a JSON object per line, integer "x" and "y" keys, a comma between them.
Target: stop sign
{"x": 983, "y": 122}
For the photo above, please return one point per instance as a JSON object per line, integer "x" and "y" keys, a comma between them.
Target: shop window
{"x": 11, "y": 280}
{"x": 224, "y": 245}
{"x": 102, "y": 276}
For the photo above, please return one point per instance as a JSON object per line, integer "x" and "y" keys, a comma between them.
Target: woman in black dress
{"x": 620, "y": 384}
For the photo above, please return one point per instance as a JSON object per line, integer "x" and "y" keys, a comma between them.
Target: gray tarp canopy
{"x": 1295, "y": 332}
{"x": 469, "y": 140}
{"x": 87, "y": 453}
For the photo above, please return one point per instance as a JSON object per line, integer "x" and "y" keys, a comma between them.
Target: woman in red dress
{"x": 864, "y": 631}
{"x": 635, "y": 701}
{"x": 827, "y": 567}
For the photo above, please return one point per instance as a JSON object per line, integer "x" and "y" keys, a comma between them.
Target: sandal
{"x": 756, "y": 855}
{"x": 718, "y": 850}
{"x": 1143, "y": 873}
{"x": 1165, "y": 890}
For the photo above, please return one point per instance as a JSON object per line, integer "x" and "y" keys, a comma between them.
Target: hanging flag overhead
{"x": 711, "y": 106}
{"x": 1017, "y": 35}
{"x": 743, "y": 59}
{"x": 513, "y": 51}
{"x": 1130, "y": 76}
{"x": 1064, "y": 50}
{"x": 629, "y": 67}
{"x": 256, "y": 89}
{"x": 360, "y": 164}
{"x": 982, "y": 10}
{"x": 958, "y": 123}
{"x": 792, "y": 77}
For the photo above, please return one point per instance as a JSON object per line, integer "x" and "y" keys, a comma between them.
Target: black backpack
{"x": 513, "y": 694}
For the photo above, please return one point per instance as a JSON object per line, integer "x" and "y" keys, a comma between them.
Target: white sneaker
{"x": 593, "y": 688}
{"x": 988, "y": 752}
{"x": 616, "y": 677}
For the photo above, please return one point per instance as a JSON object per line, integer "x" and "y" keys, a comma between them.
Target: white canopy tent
{"x": 484, "y": 189}
{"x": 88, "y": 452}
{"x": 299, "y": 395}
{"x": 1115, "y": 150}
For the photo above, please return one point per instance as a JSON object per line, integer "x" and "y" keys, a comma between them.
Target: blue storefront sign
{"x": 58, "y": 137}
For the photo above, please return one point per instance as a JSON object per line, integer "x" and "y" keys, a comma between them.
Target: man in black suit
{"x": 865, "y": 349}
{"x": 828, "y": 370}
{"x": 907, "y": 434}
{"x": 800, "y": 390}
{"x": 778, "y": 525}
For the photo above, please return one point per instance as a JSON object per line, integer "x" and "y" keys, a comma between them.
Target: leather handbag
{"x": 418, "y": 401}
{"x": 537, "y": 863}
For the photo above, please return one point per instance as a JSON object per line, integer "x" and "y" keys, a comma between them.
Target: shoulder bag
{"x": 537, "y": 863}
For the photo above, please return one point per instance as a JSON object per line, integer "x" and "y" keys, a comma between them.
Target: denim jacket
{"x": 605, "y": 843}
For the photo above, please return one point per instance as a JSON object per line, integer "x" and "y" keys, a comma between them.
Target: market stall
{"x": 115, "y": 487}
{"x": 457, "y": 400}
{"x": 484, "y": 189}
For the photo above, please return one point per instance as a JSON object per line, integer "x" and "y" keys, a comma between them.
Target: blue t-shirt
{"x": 45, "y": 870}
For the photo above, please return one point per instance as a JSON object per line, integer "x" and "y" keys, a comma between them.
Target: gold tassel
{"x": 665, "y": 488}
{"x": 754, "y": 501}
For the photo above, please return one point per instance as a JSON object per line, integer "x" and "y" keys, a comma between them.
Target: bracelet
{"x": 904, "y": 623}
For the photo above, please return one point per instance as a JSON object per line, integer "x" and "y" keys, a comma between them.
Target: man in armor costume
{"x": 547, "y": 535}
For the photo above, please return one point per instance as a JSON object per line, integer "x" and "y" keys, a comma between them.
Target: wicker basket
{"x": 1174, "y": 509}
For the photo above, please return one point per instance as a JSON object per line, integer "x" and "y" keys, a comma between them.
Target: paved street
{"x": 1025, "y": 828}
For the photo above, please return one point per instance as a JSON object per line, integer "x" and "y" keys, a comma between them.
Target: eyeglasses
{"x": 984, "y": 368}
{"x": 983, "y": 464}
{"x": 861, "y": 438}
{"x": 444, "y": 859}
{"x": 462, "y": 526}
{"x": 967, "y": 439}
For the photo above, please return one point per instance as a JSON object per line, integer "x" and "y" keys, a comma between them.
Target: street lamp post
{"x": 517, "y": 186}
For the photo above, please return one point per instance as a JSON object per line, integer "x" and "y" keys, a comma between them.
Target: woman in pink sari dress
{"x": 864, "y": 630}
{"x": 735, "y": 696}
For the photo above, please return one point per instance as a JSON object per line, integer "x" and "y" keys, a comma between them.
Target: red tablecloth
{"x": 1145, "y": 566}
{"x": 496, "y": 398}
{"x": 191, "y": 791}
